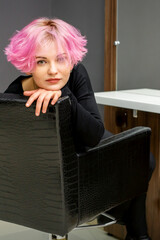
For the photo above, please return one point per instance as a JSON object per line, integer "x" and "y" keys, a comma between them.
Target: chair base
{"x": 56, "y": 237}
{"x": 109, "y": 220}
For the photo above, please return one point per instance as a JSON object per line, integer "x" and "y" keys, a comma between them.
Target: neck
{"x": 29, "y": 84}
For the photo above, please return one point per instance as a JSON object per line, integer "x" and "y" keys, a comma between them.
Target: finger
{"x": 46, "y": 101}
{"x": 29, "y": 93}
{"x": 32, "y": 98}
{"x": 39, "y": 103}
{"x": 56, "y": 97}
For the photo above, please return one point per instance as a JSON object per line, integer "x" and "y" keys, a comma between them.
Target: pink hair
{"x": 22, "y": 47}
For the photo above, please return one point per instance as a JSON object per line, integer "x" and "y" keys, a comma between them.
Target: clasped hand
{"x": 43, "y": 98}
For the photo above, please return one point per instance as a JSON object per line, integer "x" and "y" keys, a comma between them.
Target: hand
{"x": 43, "y": 97}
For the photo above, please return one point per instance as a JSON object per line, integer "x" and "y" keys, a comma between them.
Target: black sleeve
{"x": 86, "y": 120}
{"x": 15, "y": 86}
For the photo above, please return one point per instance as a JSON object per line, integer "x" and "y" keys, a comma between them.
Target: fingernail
{"x": 37, "y": 114}
{"x": 27, "y": 105}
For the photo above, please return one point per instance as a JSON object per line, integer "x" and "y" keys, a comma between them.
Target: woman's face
{"x": 52, "y": 69}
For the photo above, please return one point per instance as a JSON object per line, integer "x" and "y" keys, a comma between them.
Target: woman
{"x": 48, "y": 51}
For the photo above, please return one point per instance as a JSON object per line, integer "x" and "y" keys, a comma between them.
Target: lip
{"x": 53, "y": 80}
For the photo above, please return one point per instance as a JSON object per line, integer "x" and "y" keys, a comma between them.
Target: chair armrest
{"x": 114, "y": 171}
{"x": 134, "y": 132}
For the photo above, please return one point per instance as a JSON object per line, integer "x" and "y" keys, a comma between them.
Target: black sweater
{"x": 87, "y": 124}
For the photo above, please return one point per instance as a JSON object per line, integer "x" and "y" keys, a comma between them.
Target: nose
{"x": 52, "y": 69}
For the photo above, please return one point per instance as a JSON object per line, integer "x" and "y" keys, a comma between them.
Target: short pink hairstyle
{"x": 22, "y": 47}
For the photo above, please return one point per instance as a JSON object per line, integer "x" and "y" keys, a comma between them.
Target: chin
{"x": 52, "y": 88}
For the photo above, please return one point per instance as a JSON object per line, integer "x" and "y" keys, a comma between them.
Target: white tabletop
{"x": 147, "y": 100}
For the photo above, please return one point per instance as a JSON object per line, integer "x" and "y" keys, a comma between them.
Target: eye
{"x": 41, "y": 62}
{"x": 61, "y": 59}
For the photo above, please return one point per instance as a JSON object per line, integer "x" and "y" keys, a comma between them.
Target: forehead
{"x": 50, "y": 49}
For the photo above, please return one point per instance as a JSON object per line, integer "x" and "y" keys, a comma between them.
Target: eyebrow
{"x": 61, "y": 54}
{"x": 41, "y": 57}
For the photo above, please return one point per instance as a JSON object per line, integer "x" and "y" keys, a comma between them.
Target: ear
{"x": 28, "y": 73}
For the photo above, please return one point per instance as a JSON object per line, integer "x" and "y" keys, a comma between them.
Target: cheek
{"x": 67, "y": 77}
{"x": 37, "y": 79}
{"x": 38, "y": 74}
{"x": 67, "y": 74}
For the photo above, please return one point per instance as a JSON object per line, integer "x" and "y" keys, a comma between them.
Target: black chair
{"x": 46, "y": 185}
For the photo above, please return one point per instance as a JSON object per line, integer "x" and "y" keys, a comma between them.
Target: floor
{"x": 89, "y": 234}
{"x": 9, "y": 231}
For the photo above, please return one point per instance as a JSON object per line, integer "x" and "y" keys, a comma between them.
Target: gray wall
{"x": 14, "y": 15}
{"x": 139, "y": 51}
{"x": 87, "y": 15}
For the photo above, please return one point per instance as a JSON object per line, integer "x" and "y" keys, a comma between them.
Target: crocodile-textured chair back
{"x": 46, "y": 185}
